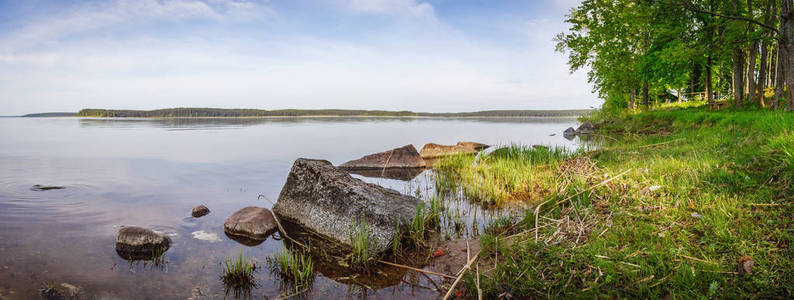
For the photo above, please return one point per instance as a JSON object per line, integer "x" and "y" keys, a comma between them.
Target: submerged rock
{"x": 403, "y": 157}
{"x": 328, "y": 201}
{"x": 433, "y": 150}
{"x": 253, "y": 223}
{"x": 200, "y": 211}
{"x": 135, "y": 242}
{"x": 38, "y": 187}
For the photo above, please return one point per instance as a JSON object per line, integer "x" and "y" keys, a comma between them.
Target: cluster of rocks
{"x": 584, "y": 129}
{"x": 320, "y": 198}
{"x": 406, "y": 157}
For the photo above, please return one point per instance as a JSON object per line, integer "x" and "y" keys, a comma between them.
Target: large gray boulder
{"x": 135, "y": 242}
{"x": 403, "y": 157}
{"x": 254, "y": 223}
{"x": 328, "y": 201}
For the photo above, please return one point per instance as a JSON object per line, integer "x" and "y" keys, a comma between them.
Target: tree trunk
{"x": 632, "y": 98}
{"x": 762, "y": 75}
{"x": 737, "y": 56}
{"x": 780, "y": 78}
{"x": 787, "y": 39}
{"x": 751, "y": 83}
{"x": 738, "y": 77}
{"x": 645, "y": 98}
{"x": 709, "y": 93}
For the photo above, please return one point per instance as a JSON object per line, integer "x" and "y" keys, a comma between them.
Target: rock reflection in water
{"x": 404, "y": 174}
{"x": 330, "y": 260}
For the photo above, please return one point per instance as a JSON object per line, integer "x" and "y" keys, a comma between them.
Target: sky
{"x": 428, "y": 56}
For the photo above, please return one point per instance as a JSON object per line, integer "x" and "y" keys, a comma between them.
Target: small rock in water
{"x": 585, "y": 128}
{"x": 39, "y": 188}
{"x": 135, "y": 242}
{"x": 745, "y": 265}
{"x": 251, "y": 222}
{"x": 200, "y": 211}
{"x": 205, "y": 236}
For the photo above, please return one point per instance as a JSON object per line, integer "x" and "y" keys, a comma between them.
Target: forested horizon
{"x": 649, "y": 52}
{"x": 219, "y": 112}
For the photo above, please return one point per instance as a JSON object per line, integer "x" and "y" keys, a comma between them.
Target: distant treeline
{"x": 52, "y": 114}
{"x": 233, "y": 113}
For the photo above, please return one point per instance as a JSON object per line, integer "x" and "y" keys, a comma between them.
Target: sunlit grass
{"x": 702, "y": 190}
{"x": 513, "y": 173}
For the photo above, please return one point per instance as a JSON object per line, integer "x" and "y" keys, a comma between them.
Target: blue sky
{"x": 443, "y": 55}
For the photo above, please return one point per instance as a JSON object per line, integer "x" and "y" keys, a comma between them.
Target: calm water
{"x": 152, "y": 172}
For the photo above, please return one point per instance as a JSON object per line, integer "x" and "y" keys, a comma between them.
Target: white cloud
{"x": 418, "y": 64}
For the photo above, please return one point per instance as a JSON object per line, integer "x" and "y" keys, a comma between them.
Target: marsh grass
{"x": 295, "y": 268}
{"x": 363, "y": 254}
{"x": 238, "y": 274}
{"x": 512, "y": 173}
{"x": 674, "y": 226}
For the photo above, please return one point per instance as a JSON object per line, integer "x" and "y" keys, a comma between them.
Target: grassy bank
{"x": 697, "y": 193}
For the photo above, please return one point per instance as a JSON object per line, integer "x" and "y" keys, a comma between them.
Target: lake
{"x": 152, "y": 172}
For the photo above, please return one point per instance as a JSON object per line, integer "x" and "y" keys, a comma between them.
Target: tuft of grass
{"x": 363, "y": 254}
{"x": 434, "y": 210}
{"x": 238, "y": 274}
{"x": 294, "y": 268}
{"x": 417, "y": 229}
{"x": 513, "y": 173}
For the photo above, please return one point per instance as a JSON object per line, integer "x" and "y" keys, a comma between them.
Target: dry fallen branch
{"x": 462, "y": 271}
{"x": 415, "y": 269}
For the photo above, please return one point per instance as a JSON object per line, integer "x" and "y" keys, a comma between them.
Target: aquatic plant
{"x": 238, "y": 273}
{"x": 293, "y": 267}
{"x": 363, "y": 254}
{"x": 416, "y": 230}
{"x": 434, "y": 210}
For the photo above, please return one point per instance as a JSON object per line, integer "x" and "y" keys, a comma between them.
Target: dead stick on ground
{"x": 415, "y": 269}
{"x": 462, "y": 271}
{"x": 537, "y": 209}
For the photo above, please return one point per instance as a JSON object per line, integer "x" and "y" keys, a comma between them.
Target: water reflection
{"x": 152, "y": 172}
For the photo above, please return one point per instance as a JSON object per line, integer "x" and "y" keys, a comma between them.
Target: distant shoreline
{"x": 186, "y": 113}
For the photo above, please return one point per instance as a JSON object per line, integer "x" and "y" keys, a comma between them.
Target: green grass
{"x": 294, "y": 268}
{"x": 238, "y": 273}
{"x": 363, "y": 254}
{"x": 512, "y": 173}
{"x": 724, "y": 191}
